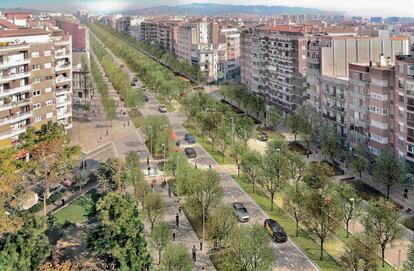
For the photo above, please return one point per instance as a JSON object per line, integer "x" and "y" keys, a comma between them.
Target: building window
{"x": 35, "y": 54}
{"x": 36, "y": 80}
{"x": 373, "y": 150}
{"x": 379, "y": 139}
{"x": 49, "y": 89}
{"x": 49, "y": 102}
{"x": 37, "y": 118}
{"x": 48, "y": 78}
{"x": 48, "y": 65}
{"x": 37, "y": 106}
{"x": 36, "y": 93}
{"x": 48, "y": 53}
{"x": 35, "y": 67}
{"x": 49, "y": 115}
{"x": 400, "y": 98}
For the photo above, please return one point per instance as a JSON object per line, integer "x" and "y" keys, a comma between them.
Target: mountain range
{"x": 222, "y": 9}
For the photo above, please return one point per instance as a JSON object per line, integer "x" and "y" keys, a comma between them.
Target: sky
{"x": 351, "y": 7}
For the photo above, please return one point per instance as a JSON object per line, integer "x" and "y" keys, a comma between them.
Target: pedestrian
{"x": 63, "y": 202}
{"x": 107, "y": 133}
{"x": 97, "y": 125}
{"x": 180, "y": 207}
{"x": 93, "y": 111}
{"x": 149, "y": 170}
{"x": 209, "y": 166}
{"x": 169, "y": 191}
{"x": 202, "y": 268}
{"x": 177, "y": 220}
{"x": 124, "y": 114}
{"x": 128, "y": 123}
{"x": 100, "y": 138}
{"x": 147, "y": 161}
{"x": 406, "y": 194}
{"x": 173, "y": 234}
{"x": 194, "y": 250}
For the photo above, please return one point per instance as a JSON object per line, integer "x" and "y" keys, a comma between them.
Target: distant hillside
{"x": 219, "y": 9}
{"x": 20, "y": 9}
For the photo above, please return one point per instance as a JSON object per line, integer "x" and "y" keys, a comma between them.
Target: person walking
{"x": 194, "y": 253}
{"x": 180, "y": 208}
{"x": 173, "y": 234}
{"x": 169, "y": 191}
{"x": 107, "y": 132}
{"x": 177, "y": 220}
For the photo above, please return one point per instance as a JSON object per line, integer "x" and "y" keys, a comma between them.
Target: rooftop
{"x": 22, "y": 32}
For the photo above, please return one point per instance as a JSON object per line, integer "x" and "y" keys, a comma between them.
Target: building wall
{"x": 77, "y": 32}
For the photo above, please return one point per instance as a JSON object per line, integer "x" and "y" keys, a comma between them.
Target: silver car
{"x": 241, "y": 212}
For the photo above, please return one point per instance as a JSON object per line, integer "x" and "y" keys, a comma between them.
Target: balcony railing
{"x": 17, "y": 103}
{"x": 7, "y": 64}
{"x": 61, "y": 79}
{"x": 12, "y": 91}
{"x": 10, "y": 77}
{"x": 16, "y": 117}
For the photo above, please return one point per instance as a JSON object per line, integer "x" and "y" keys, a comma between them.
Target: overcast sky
{"x": 354, "y": 7}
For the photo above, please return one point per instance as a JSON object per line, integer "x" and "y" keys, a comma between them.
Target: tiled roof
{"x": 21, "y": 32}
{"x": 8, "y": 25}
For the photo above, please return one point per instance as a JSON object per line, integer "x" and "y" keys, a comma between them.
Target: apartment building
{"x": 230, "y": 37}
{"x": 35, "y": 80}
{"x": 370, "y": 106}
{"x": 404, "y": 109}
{"x": 79, "y": 33}
{"x": 277, "y": 66}
{"x": 149, "y": 31}
{"x": 124, "y": 24}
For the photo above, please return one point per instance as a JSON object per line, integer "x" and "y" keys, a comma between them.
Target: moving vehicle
{"x": 162, "y": 108}
{"x": 240, "y": 212}
{"x": 190, "y": 138}
{"x": 262, "y": 136}
{"x": 276, "y": 231}
{"x": 190, "y": 152}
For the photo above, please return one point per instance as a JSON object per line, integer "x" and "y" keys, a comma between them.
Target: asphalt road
{"x": 288, "y": 255}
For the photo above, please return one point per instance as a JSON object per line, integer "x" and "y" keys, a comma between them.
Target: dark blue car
{"x": 190, "y": 138}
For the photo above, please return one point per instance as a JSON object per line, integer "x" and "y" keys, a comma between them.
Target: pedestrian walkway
{"x": 184, "y": 233}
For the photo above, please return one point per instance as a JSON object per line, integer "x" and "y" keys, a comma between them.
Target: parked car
{"x": 162, "y": 108}
{"x": 190, "y": 138}
{"x": 146, "y": 99}
{"x": 68, "y": 182}
{"x": 241, "y": 212}
{"x": 132, "y": 84}
{"x": 135, "y": 79}
{"x": 276, "y": 231}
{"x": 262, "y": 136}
{"x": 190, "y": 152}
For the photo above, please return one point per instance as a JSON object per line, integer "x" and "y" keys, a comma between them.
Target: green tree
{"x": 160, "y": 237}
{"x": 274, "y": 117}
{"x": 238, "y": 151}
{"x": 244, "y": 128}
{"x": 409, "y": 263}
{"x": 177, "y": 258}
{"x": 330, "y": 142}
{"x": 223, "y": 134}
{"x": 157, "y": 131}
{"x": 295, "y": 123}
{"x": 251, "y": 165}
{"x": 297, "y": 168}
{"x": 381, "y": 223}
{"x": 176, "y": 162}
{"x": 205, "y": 192}
{"x": 118, "y": 237}
{"x": 317, "y": 175}
{"x": 293, "y": 203}
{"x": 350, "y": 203}
{"x": 358, "y": 254}
{"x": 134, "y": 99}
{"x": 27, "y": 248}
{"x": 250, "y": 249}
{"x": 274, "y": 172}
{"x": 110, "y": 176}
{"x": 221, "y": 224}
{"x": 110, "y": 110}
{"x": 388, "y": 171}
{"x": 153, "y": 208}
{"x": 359, "y": 163}
{"x": 322, "y": 215}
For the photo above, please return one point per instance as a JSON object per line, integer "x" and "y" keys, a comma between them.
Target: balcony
{"x": 62, "y": 91}
{"x": 8, "y": 64}
{"x": 329, "y": 117}
{"x": 64, "y": 115}
{"x": 15, "y": 47}
{"x": 11, "y": 77}
{"x": 410, "y": 108}
{"x": 16, "y": 118}
{"x": 11, "y": 91}
{"x": 63, "y": 79}
{"x": 60, "y": 55}
{"x": 12, "y": 133}
{"x": 63, "y": 67}
{"x": 14, "y": 104}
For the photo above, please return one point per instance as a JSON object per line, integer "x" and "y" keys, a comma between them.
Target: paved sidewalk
{"x": 184, "y": 233}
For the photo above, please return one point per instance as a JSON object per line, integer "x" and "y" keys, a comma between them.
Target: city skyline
{"x": 352, "y": 7}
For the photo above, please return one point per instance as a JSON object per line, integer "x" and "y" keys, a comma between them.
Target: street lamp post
{"x": 163, "y": 165}
{"x": 204, "y": 219}
{"x": 150, "y": 127}
{"x": 353, "y": 220}
{"x": 232, "y": 128}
